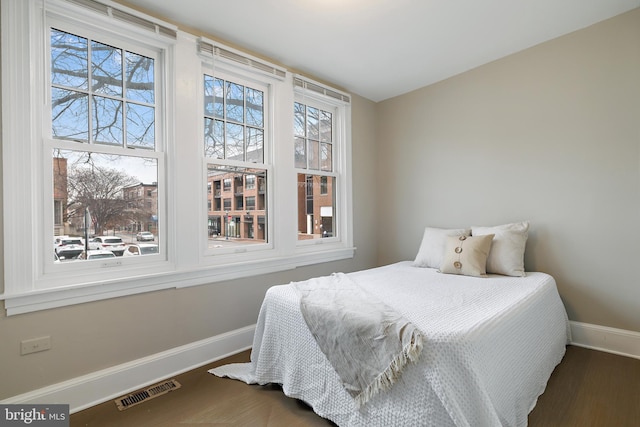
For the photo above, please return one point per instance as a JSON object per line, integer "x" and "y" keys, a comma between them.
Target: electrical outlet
{"x": 35, "y": 345}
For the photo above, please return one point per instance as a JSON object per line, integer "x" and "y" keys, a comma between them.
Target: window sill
{"x": 28, "y": 302}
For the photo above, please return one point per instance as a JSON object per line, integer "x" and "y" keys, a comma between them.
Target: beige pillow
{"x": 507, "y": 250}
{"x": 466, "y": 255}
{"x": 432, "y": 246}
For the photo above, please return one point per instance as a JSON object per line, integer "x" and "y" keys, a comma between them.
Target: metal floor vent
{"x": 126, "y": 402}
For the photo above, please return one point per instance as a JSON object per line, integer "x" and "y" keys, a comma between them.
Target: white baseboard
{"x": 602, "y": 338}
{"x": 101, "y": 386}
{"x": 98, "y": 387}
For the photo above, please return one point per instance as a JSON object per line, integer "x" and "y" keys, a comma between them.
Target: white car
{"x": 141, "y": 249}
{"x": 107, "y": 243}
{"x": 145, "y": 236}
{"x": 69, "y": 247}
{"x": 97, "y": 254}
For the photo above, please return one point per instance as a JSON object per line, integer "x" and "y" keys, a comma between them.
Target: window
{"x": 324, "y": 189}
{"x": 313, "y": 147}
{"x": 89, "y": 110}
{"x": 250, "y": 182}
{"x": 103, "y": 114}
{"x": 96, "y": 136}
{"x": 234, "y": 150}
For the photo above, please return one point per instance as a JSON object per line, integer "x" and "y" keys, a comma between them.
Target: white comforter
{"x": 490, "y": 345}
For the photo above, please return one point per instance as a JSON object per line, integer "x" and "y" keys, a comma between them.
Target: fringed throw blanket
{"x": 366, "y": 342}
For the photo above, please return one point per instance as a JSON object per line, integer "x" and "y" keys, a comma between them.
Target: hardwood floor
{"x": 588, "y": 389}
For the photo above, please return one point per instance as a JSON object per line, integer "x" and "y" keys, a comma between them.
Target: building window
{"x": 251, "y": 203}
{"x": 324, "y": 189}
{"x": 250, "y": 182}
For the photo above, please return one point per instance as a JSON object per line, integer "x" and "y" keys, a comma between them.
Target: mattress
{"x": 490, "y": 346}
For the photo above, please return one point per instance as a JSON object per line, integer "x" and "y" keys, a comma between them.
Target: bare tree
{"x": 99, "y": 189}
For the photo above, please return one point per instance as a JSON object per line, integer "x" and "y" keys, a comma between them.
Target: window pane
{"x": 213, "y": 97}
{"x": 107, "y": 120}
{"x": 140, "y": 125}
{"x": 69, "y": 59}
{"x": 300, "y": 153}
{"x": 235, "y": 142}
{"x": 235, "y": 102}
{"x": 313, "y": 119}
{"x": 326, "y": 161}
{"x": 255, "y": 106}
{"x": 316, "y": 206}
{"x": 214, "y": 138}
{"x": 208, "y": 95}
{"x": 118, "y": 195}
{"x": 314, "y": 155}
{"x": 106, "y": 69}
{"x": 326, "y": 125}
{"x": 140, "y": 78}
{"x": 239, "y": 219}
{"x": 69, "y": 114}
{"x": 299, "y": 120}
{"x": 255, "y": 145}
{"x": 218, "y": 92}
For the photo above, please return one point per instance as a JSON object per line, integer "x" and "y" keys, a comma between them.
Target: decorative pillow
{"x": 507, "y": 251}
{"x": 432, "y": 246}
{"x": 466, "y": 255}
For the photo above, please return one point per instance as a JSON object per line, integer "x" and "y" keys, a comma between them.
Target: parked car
{"x": 69, "y": 247}
{"x": 145, "y": 236}
{"x": 141, "y": 249}
{"x": 58, "y": 239}
{"x": 96, "y": 254}
{"x": 108, "y": 243}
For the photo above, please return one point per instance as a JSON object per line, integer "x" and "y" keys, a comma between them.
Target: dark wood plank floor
{"x": 588, "y": 389}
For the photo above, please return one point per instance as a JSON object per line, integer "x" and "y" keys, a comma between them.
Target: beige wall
{"x": 551, "y": 135}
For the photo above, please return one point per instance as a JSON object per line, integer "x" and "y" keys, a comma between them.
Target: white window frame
{"x": 29, "y": 286}
{"x": 119, "y": 268}
{"x": 33, "y": 281}
{"x": 313, "y": 93}
{"x": 255, "y": 80}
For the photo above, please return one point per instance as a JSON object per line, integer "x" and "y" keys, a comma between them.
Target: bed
{"x": 490, "y": 345}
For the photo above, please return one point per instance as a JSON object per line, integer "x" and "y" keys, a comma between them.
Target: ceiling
{"x": 379, "y": 49}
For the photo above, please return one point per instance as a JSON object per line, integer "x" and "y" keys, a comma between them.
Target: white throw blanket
{"x": 366, "y": 342}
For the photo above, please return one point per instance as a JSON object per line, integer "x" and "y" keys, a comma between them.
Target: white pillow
{"x": 507, "y": 250}
{"x": 432, "y": 246}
